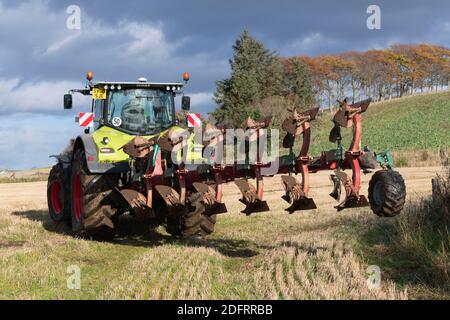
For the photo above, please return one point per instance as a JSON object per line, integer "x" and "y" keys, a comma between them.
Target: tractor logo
{"x": 86, "y": 119}
{"x": 194, "y": 120}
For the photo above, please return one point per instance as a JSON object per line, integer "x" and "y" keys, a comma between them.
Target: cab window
{"x": 98, "y": 112}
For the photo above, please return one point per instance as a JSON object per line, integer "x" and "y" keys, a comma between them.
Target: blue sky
{"x": 40, "y": 58}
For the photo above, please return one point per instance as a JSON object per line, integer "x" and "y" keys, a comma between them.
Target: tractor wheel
{"x": 57, "y": 195}
{"x": 91, "y": 209}
{"x": 194, "y": 222}
{"x": 387, "y": 193}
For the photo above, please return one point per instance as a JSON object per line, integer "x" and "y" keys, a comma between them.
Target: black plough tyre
{"x": 92, "y": 209}
{"x": 387, "y": 193}
{"x": 58, "y": 195}
{"x": 194, "y": 222}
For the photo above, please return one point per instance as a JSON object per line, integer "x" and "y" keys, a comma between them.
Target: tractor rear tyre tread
{"x": 387, "y": 193}
{"x": 95, "y": 217}
{"x": 58, "y": 195}
{"x": 194, "y": 222}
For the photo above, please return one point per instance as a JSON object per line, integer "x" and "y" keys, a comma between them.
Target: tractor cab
{"x": 136, "y": 108}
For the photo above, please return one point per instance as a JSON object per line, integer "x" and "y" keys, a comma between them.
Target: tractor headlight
{"x": 107, "y": 150}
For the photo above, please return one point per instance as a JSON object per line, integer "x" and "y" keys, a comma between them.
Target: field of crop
{"x": 319, "y": 254}
{"x": 417, "y": 125}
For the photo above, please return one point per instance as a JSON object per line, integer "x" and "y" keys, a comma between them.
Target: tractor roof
{"x": 134, "y": 85}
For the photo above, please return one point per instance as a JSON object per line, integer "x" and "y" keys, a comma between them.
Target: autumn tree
{"x": 263, "y": 84}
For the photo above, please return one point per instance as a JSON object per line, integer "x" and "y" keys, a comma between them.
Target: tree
{"x": 297, "y": 83}
{"x": 256, "y": 73}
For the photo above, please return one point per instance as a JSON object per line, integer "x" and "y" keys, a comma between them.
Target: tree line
{"x": 264, "y": 84}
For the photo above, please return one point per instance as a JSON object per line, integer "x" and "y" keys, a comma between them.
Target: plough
{"x": 138, "y": 162}
{"x": 209, "y": 184}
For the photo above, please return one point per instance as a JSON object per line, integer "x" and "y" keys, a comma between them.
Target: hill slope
{"x": 409, "y": 124}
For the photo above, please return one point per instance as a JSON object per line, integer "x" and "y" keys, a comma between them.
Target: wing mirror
{"x": 67, "y": 101}
{"x": 186, "y": 103}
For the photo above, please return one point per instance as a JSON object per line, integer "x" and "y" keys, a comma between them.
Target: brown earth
{"x": 418, "y": 183}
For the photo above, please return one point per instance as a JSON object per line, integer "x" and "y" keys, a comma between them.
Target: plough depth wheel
{"x": 387, "y": 193}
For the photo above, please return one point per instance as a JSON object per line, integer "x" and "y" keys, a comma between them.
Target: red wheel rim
{"x": 77, "y": 199}
{"x": 55, "y": 189}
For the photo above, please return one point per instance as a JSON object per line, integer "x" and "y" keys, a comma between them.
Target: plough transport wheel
{"x": 91, "y": 207}
{"x": 387, "y": 193}
{"x": 194, "y": 222}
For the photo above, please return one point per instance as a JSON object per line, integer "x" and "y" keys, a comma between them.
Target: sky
{"x": 41, "y": 58}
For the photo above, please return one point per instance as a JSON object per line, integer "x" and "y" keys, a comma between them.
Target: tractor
{"x": 134, "y": 160}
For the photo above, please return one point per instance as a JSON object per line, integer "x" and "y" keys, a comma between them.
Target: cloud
{"x": 311, "y": 43}
{"x": 130, "y": 40}
{"x": 28, "y": 141}
{"x": 202, "y": 100}
{"x": 40, "y": 59}
{"x": 40, "y": 45}
{"x": 60, "y": 44}
{"x": 147, "y": 40}
{"x": 42, "y": 96}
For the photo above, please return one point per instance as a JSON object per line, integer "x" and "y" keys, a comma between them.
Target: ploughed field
{"x": 273, "y": 255}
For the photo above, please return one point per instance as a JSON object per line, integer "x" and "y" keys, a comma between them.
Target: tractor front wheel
{"x": 195, "y": 222}
{"x": 387, "y": 193}
{"x": 58, "y": 195}
{"x": 91, "y": 209}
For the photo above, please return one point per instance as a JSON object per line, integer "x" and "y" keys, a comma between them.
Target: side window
{"x": 98, "y": 113}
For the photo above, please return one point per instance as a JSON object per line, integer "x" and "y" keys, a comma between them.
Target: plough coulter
{"x": 139, "y": 160}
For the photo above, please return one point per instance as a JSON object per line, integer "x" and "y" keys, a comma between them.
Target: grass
{"x": 33, "y": 175}
{"x": 23, "y": 180}
{"x": 270, "y": 256}
{"x": 414, "y": 249}
{"x": 308, "y": 255}
{"x": 415, "y": 128}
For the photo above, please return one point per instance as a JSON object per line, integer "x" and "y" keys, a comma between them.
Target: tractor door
{"x": 98, "y": 110}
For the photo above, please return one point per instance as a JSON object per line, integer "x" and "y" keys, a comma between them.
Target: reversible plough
{"x": 126, "y": 165}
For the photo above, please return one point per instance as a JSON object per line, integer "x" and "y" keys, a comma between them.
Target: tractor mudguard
{"x": 86, "y": 142}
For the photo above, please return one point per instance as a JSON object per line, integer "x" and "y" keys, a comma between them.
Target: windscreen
{"x": 141, "y": 111}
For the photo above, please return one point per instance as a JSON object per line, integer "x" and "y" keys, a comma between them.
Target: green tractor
{"x": 94, "y": 180}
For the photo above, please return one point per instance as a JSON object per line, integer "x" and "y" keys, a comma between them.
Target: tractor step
{"x": 212, "y": 206}
{"x": 250, "y": 198}
{"x": 295, "y": 196}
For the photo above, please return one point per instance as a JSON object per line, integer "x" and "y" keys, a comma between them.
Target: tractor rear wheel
{"x": 195, "y": 222}
{"x": 58, "y": 195}
{"x": 91, "y": 208}
{"x": 387, "y": 193}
